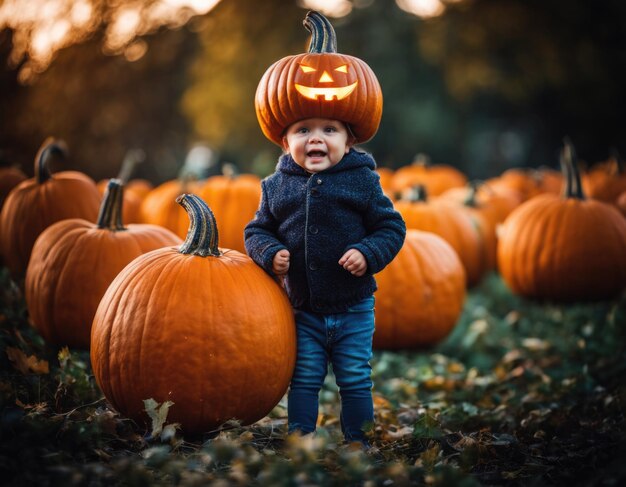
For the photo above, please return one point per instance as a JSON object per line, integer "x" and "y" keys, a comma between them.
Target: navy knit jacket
{"x": 318, "y": 217}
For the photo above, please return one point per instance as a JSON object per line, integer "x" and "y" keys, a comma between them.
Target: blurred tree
{"x": 488, "y": 85}
{"x": 530, "y": 72}
{"x": 240, "y": 40}
{"x": 104, "y": 105}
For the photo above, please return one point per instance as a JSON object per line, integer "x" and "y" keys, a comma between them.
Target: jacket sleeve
{"x": 260, "y": 235}
{"x": 386, "y": 231}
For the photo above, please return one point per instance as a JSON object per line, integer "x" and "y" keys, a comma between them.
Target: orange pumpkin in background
{"x": 10, "y": 177}
{"x": 160, "y": 208}
{"x": 564, "y": 248}
{"x": 436, "y": 178}
{"x": 420, "y": 294}
{"x": 621, "y": 203}
{"x": 234, "y": 200}
{"x": 74, "y": 261}
{"x": 37, "y": 203}
{"x": 606, "y": 181}
{"x": 134, "y": 190}
{"x": 319, "y": 84}
{"x": 203, "y": 327}
{"x": 456, "y": 227}
{"x": 528, "y": 182}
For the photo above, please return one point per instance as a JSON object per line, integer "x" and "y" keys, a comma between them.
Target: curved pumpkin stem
{"x": 50, "y": 146}
{"x": 323, "y": 37}
{"x": 202, "y": 237}
{"x": 573, "y": 185}
{"x": 110, "y": 215}
{"x": 131, "y": 159}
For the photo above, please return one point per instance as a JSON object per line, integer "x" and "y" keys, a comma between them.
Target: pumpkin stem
{"x": 417, "y": 194}
{"x": 323, "y": 37}
{"x": 110, "y": 215}
{"x": 573, "y": 186}
{"x": 202, "y": 237}
{"x": 229, "y": 170}
{"x": 421, "y": 159}
{"x": 131, "y": 159}
{"x": 49, "y": 147}
{"x": 470, "y": 199}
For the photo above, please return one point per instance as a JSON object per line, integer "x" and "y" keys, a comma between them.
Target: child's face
{"x": 317, "y": 143}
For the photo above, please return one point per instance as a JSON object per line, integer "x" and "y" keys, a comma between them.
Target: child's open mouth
{"x": 316, "y": 153}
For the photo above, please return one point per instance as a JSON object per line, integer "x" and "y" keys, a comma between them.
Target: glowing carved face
{"x": 332, "y": 82}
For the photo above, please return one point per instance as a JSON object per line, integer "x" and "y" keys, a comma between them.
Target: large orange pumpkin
{"x": 319, "y": 84}
{"x": 564, "y": 248}
{"x": 203, "y": 327}
{"x": 39, "y": 202}
{"x": 234, "y": 200}
{"x": 74, "y": 261}
{"x": 420, "y": 293}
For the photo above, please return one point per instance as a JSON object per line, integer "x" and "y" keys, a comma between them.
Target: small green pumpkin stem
{"x": 470, "y": 199}
{"x": 229, "y": 170}
{"x": 573, "y": 185}
{"x": 202, "y": 237}
{"x": 421, "y": 159}
{"x": 110, "y": 215}
{"x": 417, "y": 194}
{"x": 323, "y": 37}
{"x": 49, "y": 147}
{"x": 131, "y": 159}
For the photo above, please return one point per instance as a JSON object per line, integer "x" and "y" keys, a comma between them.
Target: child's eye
{"x": 331, "y": 129}
{"x": 302, "y": 130}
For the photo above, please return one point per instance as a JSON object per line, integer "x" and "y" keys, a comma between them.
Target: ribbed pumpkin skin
{"x": 420, "y": 294}
{"x": 215, "y": 335}
{"x": 278, "y": 104}
{"x": 31, "y": 207}
{"x": 234, "y": 201}
{"x": 72, "y": 264}
{"x": 564, "y": 250}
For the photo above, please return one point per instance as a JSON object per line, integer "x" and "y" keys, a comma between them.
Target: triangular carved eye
{"x": 342, "y": 69}
{"x": 307, "y": 69}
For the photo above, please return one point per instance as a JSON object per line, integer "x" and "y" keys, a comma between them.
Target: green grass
{"x": 521, "y": 393}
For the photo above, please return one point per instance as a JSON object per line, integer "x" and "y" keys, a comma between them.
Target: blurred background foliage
{"x": 482, "y": 85}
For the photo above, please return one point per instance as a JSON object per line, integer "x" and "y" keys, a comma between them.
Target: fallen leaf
{"x": 27, "y": 364}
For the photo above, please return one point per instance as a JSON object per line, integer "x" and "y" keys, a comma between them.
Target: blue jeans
{"x": 344, "y": 340}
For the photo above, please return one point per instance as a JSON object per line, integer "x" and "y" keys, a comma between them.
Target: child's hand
{"x": 354, "y": 262}
{"x": 280, "y": 264}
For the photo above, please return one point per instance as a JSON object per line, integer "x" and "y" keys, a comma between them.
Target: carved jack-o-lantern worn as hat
{"x": 319, "y": 84}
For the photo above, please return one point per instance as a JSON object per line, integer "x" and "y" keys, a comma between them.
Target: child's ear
{"x": 285, "y": 145}
{"x": 350, "y": 144}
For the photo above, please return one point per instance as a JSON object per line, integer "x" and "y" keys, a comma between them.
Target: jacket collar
{"x": 351, "y": 160}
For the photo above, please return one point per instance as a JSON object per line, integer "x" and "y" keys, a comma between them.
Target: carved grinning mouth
{"x": 327, "y": 93}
